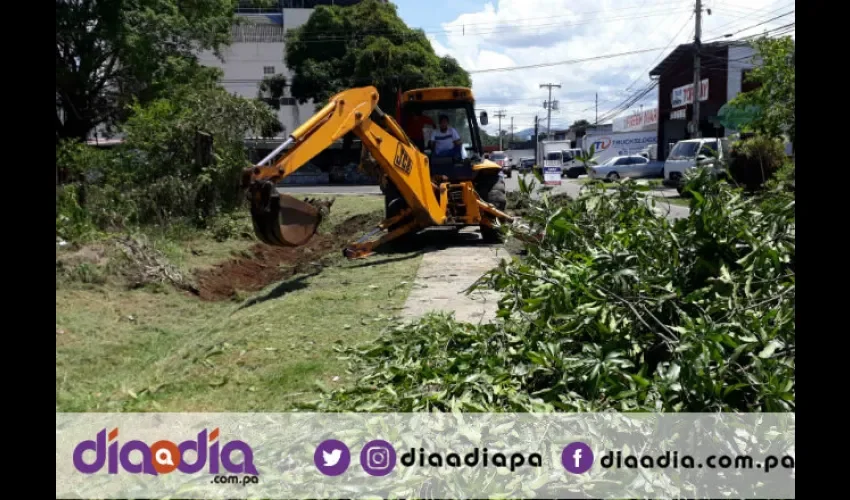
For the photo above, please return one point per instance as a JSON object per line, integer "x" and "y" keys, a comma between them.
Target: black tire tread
{"x": 493, "y": 191}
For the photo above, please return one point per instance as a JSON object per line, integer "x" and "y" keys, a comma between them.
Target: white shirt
{"x": 444, "y": 141}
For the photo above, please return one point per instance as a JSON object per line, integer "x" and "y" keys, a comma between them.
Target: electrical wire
{"x": 569, "y": 61}
{"x": 754, "y": 26}
{"x": 760, "y": 17}
{"x": 684, "y": 25}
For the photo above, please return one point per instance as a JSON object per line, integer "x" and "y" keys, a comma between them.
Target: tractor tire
{"x": 394, "y": 203}
{"x": 492, "y": 190}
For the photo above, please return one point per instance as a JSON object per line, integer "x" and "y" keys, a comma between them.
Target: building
{"x": 257, "y": 51}
{"x": 723, "y": 70}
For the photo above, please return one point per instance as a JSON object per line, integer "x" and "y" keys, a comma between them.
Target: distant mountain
{"x": 525, "y": 133}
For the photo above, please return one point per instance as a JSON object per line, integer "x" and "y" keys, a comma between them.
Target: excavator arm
{"x": 285, "y": 221}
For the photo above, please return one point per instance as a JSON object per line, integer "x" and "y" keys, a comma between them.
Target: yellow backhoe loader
{"x": 421, "y": 188}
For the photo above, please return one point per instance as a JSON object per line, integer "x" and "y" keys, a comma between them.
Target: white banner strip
{"x": 451, "y": 455}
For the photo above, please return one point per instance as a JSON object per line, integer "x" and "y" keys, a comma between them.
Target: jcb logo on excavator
{"x": 402, "y": 160}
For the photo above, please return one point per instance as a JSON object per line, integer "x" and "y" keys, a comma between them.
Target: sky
{"x": 485, "y": 35}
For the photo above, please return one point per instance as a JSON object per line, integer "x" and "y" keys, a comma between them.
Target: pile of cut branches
{"x": 615, "y": 308}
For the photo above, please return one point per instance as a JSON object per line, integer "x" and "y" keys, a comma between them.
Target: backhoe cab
{"x": 421, "y": 188}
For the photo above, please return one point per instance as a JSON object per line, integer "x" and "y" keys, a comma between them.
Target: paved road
{"x": 570, "y": 186}
{"x": 573, "y": 187}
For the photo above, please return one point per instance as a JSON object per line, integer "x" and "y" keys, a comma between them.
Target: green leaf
{"x": 769, "y": 349}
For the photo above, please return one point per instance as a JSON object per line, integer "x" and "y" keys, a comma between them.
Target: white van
{"x": 689, "y": 153}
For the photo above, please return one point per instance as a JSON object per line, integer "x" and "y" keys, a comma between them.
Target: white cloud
{"x": 527, "y": 32}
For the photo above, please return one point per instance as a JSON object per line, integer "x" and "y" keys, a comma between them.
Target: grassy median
{"x": 159, "y": 348}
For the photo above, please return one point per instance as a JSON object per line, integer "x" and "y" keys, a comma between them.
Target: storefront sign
{"x": 637, "y": 122}
{"x": 679, "y": 114}
{"x": 685, "y": 94}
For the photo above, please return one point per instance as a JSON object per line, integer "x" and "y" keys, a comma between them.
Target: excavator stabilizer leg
{"x": 366, "y": 245}
{"x": 282, "y": 220}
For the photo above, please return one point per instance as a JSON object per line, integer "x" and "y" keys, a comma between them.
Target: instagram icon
{"x": 378, "y": 458}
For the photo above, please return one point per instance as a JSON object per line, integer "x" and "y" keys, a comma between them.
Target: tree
{"x": 488, "y": 140}
{"x": 364, "y": 44}
{"x": 112, "y": 53}
{"x": 775, "y": 95}
{"x": 270, "y": 91}
{"x": 580, "y": 128}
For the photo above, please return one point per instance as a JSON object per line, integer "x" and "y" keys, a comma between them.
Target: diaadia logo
{"x": 163, "y": 457}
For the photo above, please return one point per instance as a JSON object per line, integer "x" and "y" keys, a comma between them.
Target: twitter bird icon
{"x": 332, "y": 457}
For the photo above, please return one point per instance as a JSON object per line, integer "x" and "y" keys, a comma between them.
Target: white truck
{"x": 561, "y": 154}
{"x": 618, "y": 144}
{"x": 691, "y": 153}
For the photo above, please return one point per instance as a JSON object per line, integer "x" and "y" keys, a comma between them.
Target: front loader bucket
{"x": 288, "y": 222}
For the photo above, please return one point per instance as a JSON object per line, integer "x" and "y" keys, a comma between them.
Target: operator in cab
{"x": 416, "y": 128}
{"x": 446, "y": 141}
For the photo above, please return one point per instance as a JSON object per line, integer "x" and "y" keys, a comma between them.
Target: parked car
{"x": 526, "y": 164}
{"x": 634, "y": 166}
{"x": 501, "y": 159}
{"x": 690, "y": 153}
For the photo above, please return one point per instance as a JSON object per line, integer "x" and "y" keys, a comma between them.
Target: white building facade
{"x": 257, "y": 52}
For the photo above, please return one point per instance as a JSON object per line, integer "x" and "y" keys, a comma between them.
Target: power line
{"x": 757, "y": 14}
{"x": 760, "y": 17}
{"x": 755, "y": 25}
{"x": 642, "y": 93}
{"x": 570, "y": 61}
{"x": 684, "y": 25}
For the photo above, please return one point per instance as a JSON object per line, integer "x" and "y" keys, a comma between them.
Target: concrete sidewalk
{"x": 443, "y": 276}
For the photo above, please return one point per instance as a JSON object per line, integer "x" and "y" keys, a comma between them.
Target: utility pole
{"x": 512, "y": 132}
{"x": 596, "y": 122}
{"x": 499, "y": 114}
{"x": 549, "y": 106}
{"x": 536, "y": 140}
{"x": 697, "y": 36}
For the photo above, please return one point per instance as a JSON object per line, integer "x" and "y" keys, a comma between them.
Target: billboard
{"x": 607, "y": 146}
{"x": 647, "y": 120}
{"x": 685, "y": 94}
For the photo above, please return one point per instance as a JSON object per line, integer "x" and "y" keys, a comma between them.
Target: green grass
{"x": 159, "y": 349}
{"x": 678, "y": 200}
{"x": 612, "y": 185}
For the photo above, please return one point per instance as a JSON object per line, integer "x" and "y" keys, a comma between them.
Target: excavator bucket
{"x": 285, "y": 221}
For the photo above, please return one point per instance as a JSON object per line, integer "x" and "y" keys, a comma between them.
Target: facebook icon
{"x": 577, "y": 458}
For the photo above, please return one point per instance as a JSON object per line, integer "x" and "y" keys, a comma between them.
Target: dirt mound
{"x": 263, "y": 265}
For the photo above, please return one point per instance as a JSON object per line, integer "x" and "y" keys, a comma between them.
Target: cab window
{"x": 709, "y": 149}
{"x": 457, "y": 119}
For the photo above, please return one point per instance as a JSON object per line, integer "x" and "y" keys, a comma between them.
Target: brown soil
{"x": 263, "y": 265}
